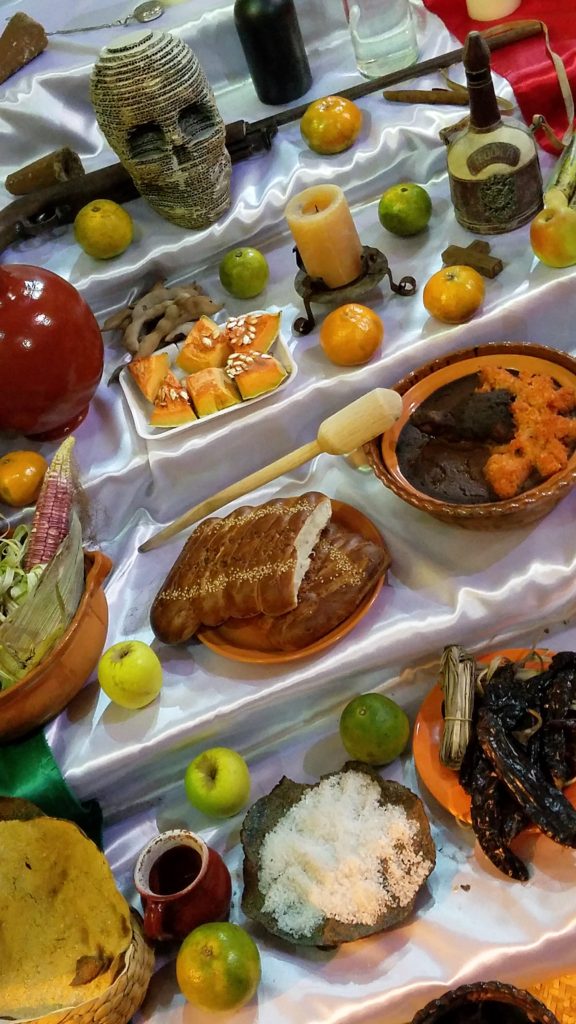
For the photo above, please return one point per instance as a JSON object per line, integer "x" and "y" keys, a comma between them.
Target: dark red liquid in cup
{"x": 174, "y": 870}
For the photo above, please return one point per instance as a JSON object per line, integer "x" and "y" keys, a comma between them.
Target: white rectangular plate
{"x": 141, "y": 408}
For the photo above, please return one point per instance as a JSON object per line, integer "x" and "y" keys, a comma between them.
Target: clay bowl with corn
{"x": 50, "y": 642}
{"x": 486, "y": 438}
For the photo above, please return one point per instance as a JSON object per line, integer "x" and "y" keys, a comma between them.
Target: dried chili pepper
{"x": 560, "y": 697}
{"x": 490, "y": 820}
{"x": 544, "y": 804}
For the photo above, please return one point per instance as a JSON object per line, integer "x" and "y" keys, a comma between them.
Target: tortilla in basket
{"x": 64, "y": 926}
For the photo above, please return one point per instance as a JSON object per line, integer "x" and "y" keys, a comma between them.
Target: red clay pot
{"x": 177, "y": 901}
{"x": 51, "y": 353}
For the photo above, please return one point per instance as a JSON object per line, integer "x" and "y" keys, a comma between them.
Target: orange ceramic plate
{"x": 417, "y": 394}
{"x": 242, "y": 640}
{"x": 441, "y": 781}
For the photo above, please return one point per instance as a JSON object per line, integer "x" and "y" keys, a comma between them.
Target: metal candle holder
{"x": 314, "y": 289}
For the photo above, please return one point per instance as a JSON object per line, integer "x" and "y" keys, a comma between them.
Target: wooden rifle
{"x": 32, "y": 214}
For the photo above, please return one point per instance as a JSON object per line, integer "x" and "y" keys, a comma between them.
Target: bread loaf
{"x": 343, "y": 570}
{"x": 249, "y": 562}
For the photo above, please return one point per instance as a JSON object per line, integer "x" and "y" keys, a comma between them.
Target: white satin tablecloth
{"x": 445, "y": 585}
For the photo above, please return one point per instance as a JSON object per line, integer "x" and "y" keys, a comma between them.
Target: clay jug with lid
{"x": 51, "y": 353}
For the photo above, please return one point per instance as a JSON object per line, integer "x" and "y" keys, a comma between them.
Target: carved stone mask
{"x": 157, "y": 111}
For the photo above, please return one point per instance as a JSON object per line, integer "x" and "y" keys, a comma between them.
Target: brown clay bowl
{"x": 45, "y": 692}
{"x": 527, "y": 507}
{"x": 485, "y": 1002}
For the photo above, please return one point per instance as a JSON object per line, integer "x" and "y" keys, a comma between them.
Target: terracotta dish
{"x": 45, "y": 692}
{"x": 526, "y": 507}
{"x": 503, "y": 1003}
{"x": 442, "y": 782}
{"x": 242, "y": 640}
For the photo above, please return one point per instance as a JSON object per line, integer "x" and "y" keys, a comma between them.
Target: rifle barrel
{"x": 496, "y": 37}
{"x": 59, "y": 204}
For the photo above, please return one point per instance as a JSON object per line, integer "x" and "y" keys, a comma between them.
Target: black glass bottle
{"x": 274, "y": 49}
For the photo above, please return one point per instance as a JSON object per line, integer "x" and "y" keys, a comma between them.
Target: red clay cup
{"x": 182, "y": 883}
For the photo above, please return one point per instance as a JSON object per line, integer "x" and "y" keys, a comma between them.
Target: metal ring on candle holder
{"x": 374, "y": 268}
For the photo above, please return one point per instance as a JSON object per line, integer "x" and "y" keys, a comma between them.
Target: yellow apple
{"x": 130, "y": 674}
{"x": 553, "y": 235}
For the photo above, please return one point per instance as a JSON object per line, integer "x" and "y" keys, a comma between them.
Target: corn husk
{"x": 562, "y": 183}
{"x": 32, "y": 629}
{"x": 457, "y": 677}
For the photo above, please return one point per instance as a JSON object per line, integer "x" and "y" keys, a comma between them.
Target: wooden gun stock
{"x": 49, "y": 207}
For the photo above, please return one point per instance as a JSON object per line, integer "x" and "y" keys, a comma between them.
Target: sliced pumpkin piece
{"x": 255, "y": 373}
{"x": 149, "y": 372}
{"x": 212, "y": 390}
{"x": 172, "y": 407}
{"x": 253, "y": 332}
{"x": 206, "y": 345}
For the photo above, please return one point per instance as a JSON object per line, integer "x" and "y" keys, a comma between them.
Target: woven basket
{"x": 122, "y": 999}
{"x": 560, "y": 996}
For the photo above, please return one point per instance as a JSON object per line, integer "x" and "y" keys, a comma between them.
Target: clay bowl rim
{"x": 97, "y": 566}
{"x": 551, "y": 490}
{"x": 486, "y": 991}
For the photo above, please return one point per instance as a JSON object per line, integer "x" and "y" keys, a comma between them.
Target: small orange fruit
{"x": 331, "y": 125}
{"x": 351, "y": 334}
{"x": 103, "y": 228}
{"x": 454, "y": 294}
{"x": 374, "y": 729}
{"x": 21, "y": 476}
{"x": 218, "y": 966}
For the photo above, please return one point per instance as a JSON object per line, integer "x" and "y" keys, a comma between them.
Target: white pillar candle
{"x": 321, "y": 223}
{"x": 490, "y": 10}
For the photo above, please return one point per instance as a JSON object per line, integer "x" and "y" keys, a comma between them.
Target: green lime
{"x": 218, "y": 966}
{"x": 244, "y": 273}
{"x": 405, "y": 209}
{"x": 374, "y": 729}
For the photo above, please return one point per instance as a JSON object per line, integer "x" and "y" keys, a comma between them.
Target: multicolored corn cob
{"x": 52, "y": 516}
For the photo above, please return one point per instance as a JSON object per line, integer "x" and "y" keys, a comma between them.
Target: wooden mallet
{"x": 340, "y": 434}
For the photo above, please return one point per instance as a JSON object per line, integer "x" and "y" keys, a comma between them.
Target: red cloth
{"x": 527, "y": 65}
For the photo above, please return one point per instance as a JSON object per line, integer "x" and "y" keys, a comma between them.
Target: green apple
{"x": 130, "y": 674}
{"x": 244, "y": 272}
{"x": 405, "y": 209}
{"x": 217, "y": 782}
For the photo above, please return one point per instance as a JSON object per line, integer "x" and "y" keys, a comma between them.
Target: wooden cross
{"x": 476, "y": 255}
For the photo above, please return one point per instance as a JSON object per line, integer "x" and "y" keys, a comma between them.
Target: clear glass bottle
{"x": 272, "y": 42}
{"x": 495, "y": 179}
{"x": 383, "y": 35}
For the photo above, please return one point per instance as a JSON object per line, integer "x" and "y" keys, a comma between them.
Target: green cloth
{"x": 28, "y": 770}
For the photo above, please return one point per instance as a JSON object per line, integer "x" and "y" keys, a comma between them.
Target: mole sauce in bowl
{"x": 449, "y": 472}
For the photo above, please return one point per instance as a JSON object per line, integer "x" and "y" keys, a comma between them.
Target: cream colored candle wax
{"x": 490, "y": 10}
{"x": 321, "y": 223}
